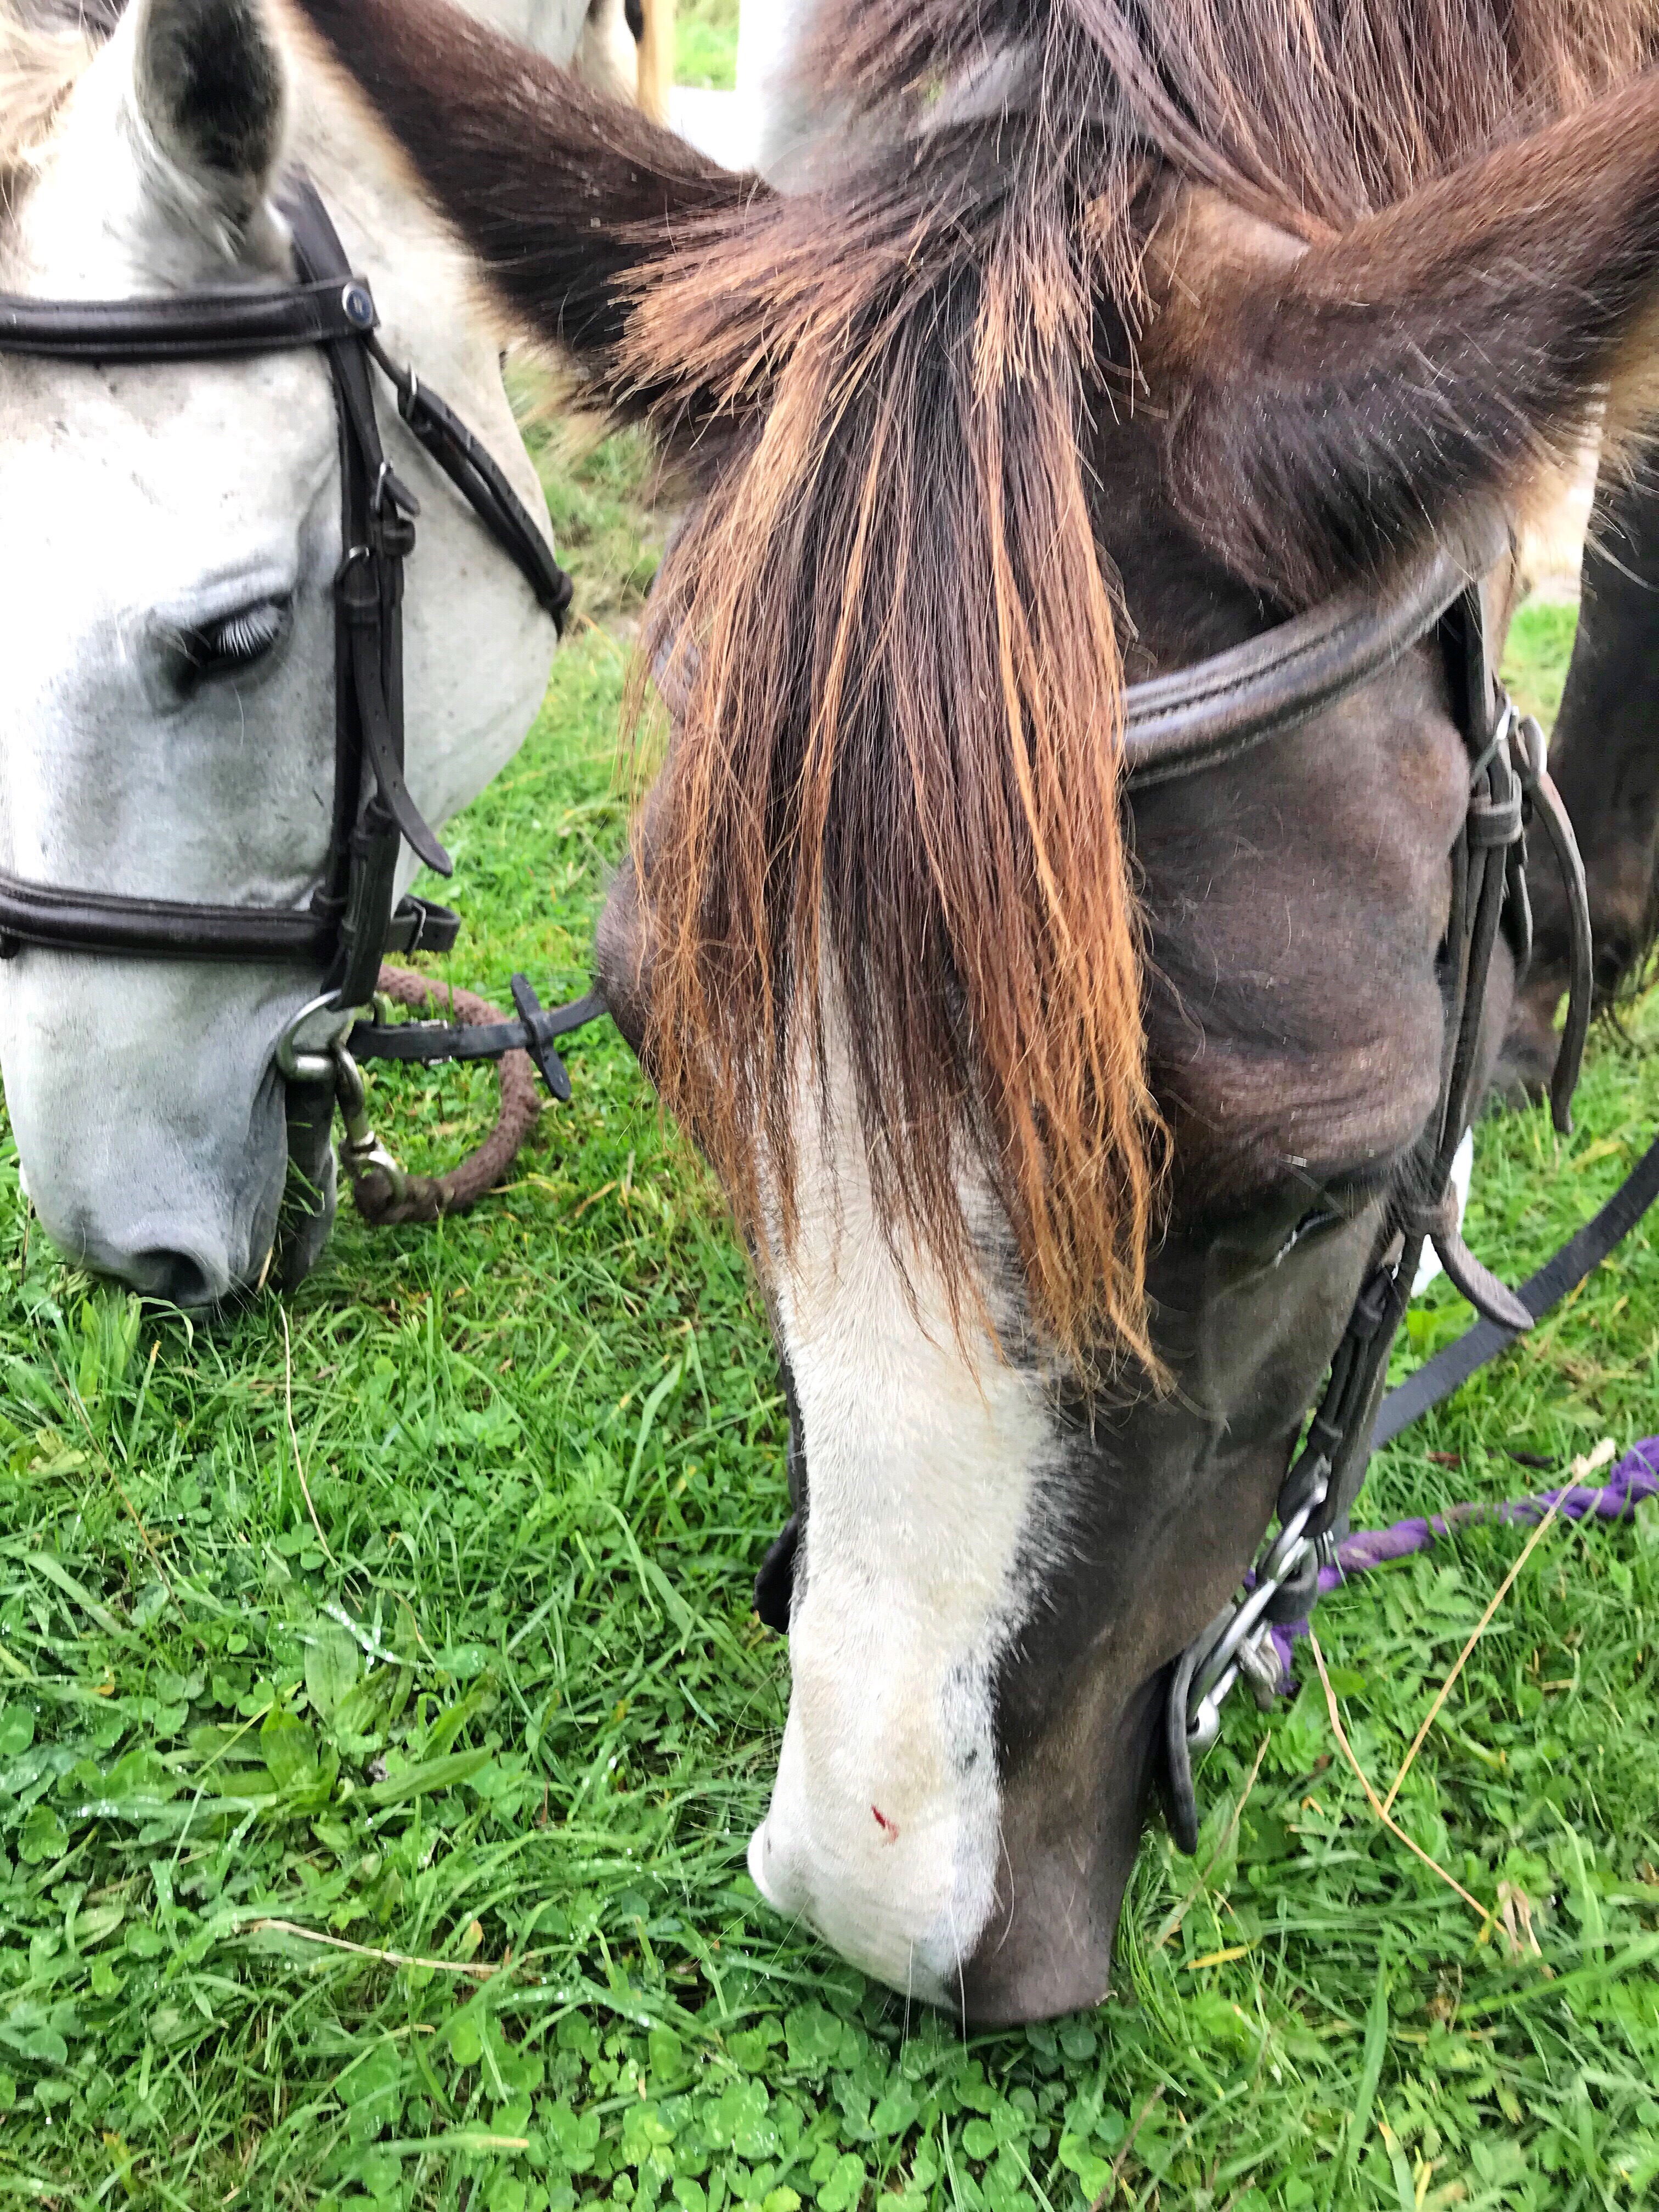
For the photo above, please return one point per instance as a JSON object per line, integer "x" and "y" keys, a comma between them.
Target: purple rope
{"x": 1636, "y": 1477}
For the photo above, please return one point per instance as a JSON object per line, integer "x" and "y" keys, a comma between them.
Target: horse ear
{"x": 564, "y": 195}
{"x": 1330, "y": 404}
{"x": 209, "y": 86}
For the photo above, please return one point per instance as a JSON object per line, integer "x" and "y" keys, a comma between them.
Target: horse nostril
{"x": 178, "y": 1277}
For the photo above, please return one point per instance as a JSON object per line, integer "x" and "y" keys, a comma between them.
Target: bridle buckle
{"x": 391, "y": 492}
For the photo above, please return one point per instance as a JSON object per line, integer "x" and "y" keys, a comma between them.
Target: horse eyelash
{"x": 236, "y": 639}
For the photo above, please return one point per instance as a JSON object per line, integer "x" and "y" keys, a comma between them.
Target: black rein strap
{"x": 1437, "y": 1379}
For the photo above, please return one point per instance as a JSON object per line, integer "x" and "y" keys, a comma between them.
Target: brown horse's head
{"x": 1061, "y": 1123}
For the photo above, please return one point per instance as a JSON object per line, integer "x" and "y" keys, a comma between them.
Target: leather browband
{"x": 189, "y": 325}
{"x": 1194, "y": 718}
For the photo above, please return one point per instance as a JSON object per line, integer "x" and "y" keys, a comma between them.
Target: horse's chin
{"x": 1073, "y": 1815}
{"x": 299, "y": 1246}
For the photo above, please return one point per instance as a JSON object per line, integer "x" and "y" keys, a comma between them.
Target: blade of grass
{"x": 1372, "y": 1797}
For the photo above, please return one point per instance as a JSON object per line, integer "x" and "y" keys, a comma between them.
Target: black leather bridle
{"x": 353, "y": 917}
{"x": 1180, "y": 724}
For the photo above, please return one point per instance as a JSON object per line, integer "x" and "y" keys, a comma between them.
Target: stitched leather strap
{"x": 378, "y": 534}
{"x": 475, "y": 473}
{"x": 1195, "y": 718}
{"x": 68, "y": 921}
{"x": 1583, "y": 1252}
{"x": 102, "y": 921}
{"x": 188, "y": 325}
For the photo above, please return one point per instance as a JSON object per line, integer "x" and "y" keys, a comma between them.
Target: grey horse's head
{"x": 166, "y": 614}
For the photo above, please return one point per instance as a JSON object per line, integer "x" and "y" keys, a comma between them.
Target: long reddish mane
{"x": 895, "y": 772}
{"x": 892, "y": 801}
{"x": 896, "y": 759}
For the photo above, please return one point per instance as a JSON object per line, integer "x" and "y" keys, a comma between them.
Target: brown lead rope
{"x": 383, "y": 1195}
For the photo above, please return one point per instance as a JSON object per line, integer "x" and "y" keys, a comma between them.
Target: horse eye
{"x": 232, "y": 641}
{"x": 633, "y": 15}
{"x": 1311, "y": 1224}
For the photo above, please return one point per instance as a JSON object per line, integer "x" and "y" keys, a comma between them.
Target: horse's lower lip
{"x": 757, "y": 1865}
{"x": 183, "y": 1281}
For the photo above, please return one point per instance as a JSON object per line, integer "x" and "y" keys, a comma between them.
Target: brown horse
{"x": 1062, "y": 1122}
{"x": 1604, "y": 755}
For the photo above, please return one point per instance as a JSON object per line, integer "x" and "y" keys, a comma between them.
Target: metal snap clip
{"x": 362, "y": 1152}
{"x": 305, "y": 1048}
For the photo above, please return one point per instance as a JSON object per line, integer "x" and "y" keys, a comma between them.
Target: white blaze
{"x": 885, "y": 1831}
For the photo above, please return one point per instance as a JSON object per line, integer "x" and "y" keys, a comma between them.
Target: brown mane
{"x": 880, "y": 761}
{"x": 896, "y": 761}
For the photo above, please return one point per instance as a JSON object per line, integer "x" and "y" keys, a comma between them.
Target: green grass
{"x": 395, "y": 1857}
{"x": 608, "y": 496}
{"x": 1535, "y": 662}
{"x": 706, "y": 43}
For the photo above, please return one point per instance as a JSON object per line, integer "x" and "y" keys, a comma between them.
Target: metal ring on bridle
{"x": 1217, "y": 1670}
{"x": 299, "y": 1060}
